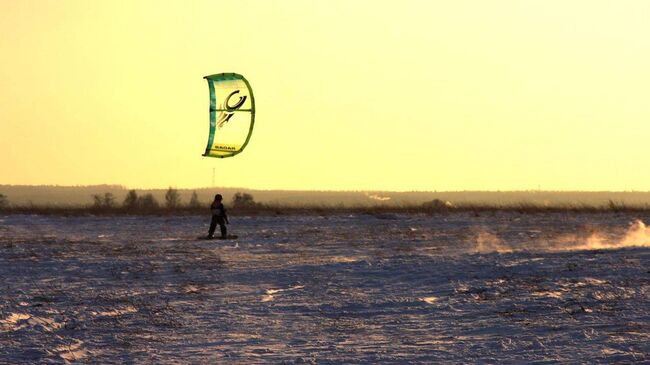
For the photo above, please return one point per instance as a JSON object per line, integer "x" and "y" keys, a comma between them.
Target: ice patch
{"x": 71, "y": 352}
{"x": 118, "y": 311}
{"x": 17, "y": 321}
{"x": 269, "y": 296}
{"x": 191, "y": 289}
{"x": 10, "y": 322}
{"x": 556, "y": 294}
{"x": 274, "y": 291}
{"x": 345, "y": 259}
{"x": 429, "y": 300}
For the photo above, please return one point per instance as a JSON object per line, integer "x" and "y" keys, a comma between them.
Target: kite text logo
{"x": 227, "y": 148}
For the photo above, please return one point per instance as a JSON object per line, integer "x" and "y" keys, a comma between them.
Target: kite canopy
{"x": 232, "y": 114}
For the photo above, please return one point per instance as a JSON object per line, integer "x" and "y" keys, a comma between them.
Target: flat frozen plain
{"x": 457, "y": 288}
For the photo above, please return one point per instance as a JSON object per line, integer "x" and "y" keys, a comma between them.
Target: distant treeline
{"x": 244, "y": 204}
{"x": 133, "y": 203}
{"x": 84, "y": 196}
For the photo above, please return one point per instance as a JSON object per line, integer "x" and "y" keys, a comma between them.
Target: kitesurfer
{"x": 218, "y": 217}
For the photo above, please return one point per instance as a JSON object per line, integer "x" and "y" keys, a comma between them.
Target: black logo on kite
{"x": 224, "y": 116}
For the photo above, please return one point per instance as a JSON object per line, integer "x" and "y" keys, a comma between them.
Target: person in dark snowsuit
{"x": 218, "y": 217}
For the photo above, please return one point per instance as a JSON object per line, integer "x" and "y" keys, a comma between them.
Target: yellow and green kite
{"x": 232, "y": 114}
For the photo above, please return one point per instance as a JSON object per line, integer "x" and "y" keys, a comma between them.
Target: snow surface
{"x": 458, "y": 288}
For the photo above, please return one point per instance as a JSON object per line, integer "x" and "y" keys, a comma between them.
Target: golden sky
{"x": 367, "y": 95}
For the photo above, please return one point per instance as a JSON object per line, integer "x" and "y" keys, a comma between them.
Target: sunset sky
{"x": 351, "y": 95}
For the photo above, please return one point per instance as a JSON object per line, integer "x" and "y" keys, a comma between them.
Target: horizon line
{"x": 124, "y": 187}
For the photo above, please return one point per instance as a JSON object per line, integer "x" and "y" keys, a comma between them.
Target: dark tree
{"x": 147, "y": 202}
{"x": 97, "y": 201}
{"x": 243, "y": 200}
{"x": 194, "y": 201}
{"x": 106, "y": 201}
{"x": 109, "y": 200}
{"x": 131, "y": 200}
{"x": 172, "y": 198}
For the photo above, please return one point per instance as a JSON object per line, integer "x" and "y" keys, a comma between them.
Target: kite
{"x": 232, "y": 114}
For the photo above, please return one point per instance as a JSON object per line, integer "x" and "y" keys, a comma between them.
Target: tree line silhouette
{"x": 133, "y": 201}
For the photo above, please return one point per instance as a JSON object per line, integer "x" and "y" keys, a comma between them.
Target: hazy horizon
{"x": 144, "y": 188}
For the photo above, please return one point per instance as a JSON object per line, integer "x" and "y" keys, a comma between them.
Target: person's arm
{"x": 225, "y": 216}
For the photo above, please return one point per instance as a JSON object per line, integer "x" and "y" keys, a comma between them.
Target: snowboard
{"x": 229, "y": 237}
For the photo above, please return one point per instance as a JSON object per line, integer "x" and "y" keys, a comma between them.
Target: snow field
{"x": 497, "y": 288}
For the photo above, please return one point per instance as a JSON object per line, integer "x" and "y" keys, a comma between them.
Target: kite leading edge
{"x": 232, "y": 114}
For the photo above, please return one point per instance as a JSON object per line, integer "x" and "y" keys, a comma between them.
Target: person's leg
{"x": 213, "y": 226}
{"x": 222, "y": 226}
